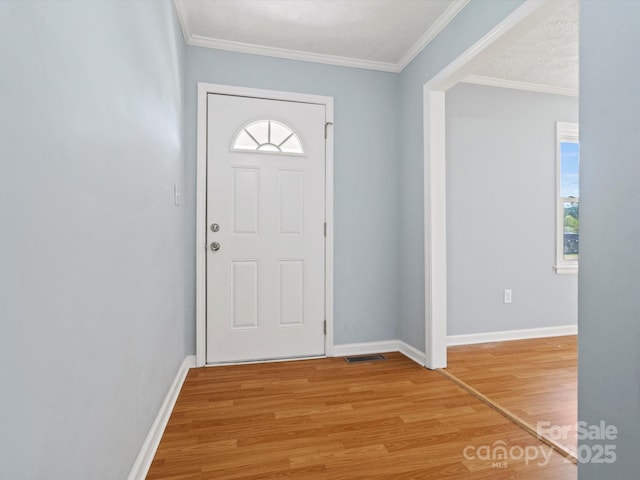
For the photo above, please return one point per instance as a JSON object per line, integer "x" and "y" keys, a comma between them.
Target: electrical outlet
{"x": 507, "y": 295}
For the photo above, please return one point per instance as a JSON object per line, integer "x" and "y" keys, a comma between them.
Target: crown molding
{"x": 439, "y": 25}
{"x": 517, "y": 85}
{"x": 200, "y": 41}
{"x": 183, "y": 18}
{"x": 232, "y": 46}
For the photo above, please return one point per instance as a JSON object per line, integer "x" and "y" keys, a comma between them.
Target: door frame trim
{"x": 201, "y": 203}
{"x": 530, "y": 13}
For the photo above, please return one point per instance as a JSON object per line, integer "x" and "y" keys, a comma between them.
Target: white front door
{"x": 265, "y": 229}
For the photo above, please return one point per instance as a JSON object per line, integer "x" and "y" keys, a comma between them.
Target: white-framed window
{"x": 567, "y": 197}
{"x": 267, "y": 136}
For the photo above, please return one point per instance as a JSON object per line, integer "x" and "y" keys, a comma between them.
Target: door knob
{"x": 215, "y": 246}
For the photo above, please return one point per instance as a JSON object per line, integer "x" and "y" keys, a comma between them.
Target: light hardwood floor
{"x": 326, "y": 419}
{"x": 535, "y": 379}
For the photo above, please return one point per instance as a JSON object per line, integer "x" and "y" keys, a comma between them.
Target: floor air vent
{"x": 365, "y": 358}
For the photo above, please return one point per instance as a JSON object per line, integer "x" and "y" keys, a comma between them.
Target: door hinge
{"x": 325, "y": 327}
{"x": 325, "y": 229}
{"x": 326, "y": 126}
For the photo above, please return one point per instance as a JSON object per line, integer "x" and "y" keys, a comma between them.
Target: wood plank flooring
{"x": 536, "y": 379}
{"x": 325, "y": 419}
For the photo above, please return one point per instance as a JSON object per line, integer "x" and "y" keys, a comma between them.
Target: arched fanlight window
{"x": 268, "y": 136}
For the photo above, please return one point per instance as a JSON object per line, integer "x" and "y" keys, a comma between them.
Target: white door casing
{"x": 265, "y": 285}
{"x": 530, "y": 13}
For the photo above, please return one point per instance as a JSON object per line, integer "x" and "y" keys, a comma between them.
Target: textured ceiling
{"x": 381, "y": 31}
{"x": 384, "y": 35}
{"x": 545, "y": 55}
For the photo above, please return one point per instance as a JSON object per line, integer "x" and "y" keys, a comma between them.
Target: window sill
{"x": 566, "y": 269}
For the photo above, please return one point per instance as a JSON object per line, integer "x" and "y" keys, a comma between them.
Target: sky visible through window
{"x": 570, "y": 187}
{"x": 570, "y": 155}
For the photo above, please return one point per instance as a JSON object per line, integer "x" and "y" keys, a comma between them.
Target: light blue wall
{"x": 92, "y": 327}
{"x": 365, "y": 179}
{"x": 501, "y": 210}
{"x": 96, "y": 304}
{"x": 609, "y": 300}
{"x": 471, "y": 24}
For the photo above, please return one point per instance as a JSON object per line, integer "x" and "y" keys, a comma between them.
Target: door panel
{"x": 291, "y": 202}
{"x": 265, "y": 283}
{"x": 245, "y": 206}
{"x": 291, "y": 292}
{"x": 245, "y": 294}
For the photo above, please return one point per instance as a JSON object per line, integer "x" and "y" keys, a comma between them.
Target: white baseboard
{"x": 412, "y": 353}
{"x": 380, "y": 347}
{"x": 365, "y": 348}
{"x": 511, "y": 335}
{"x": 150, "y": 445}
